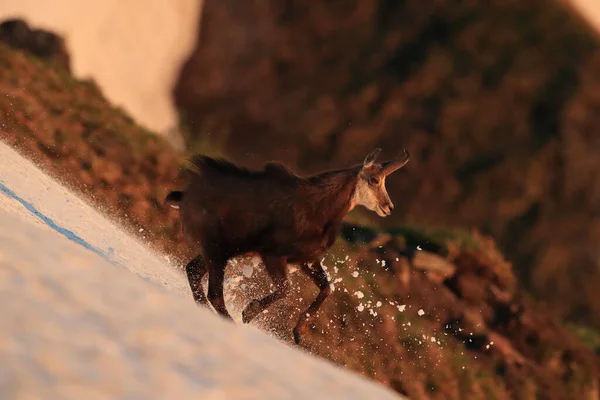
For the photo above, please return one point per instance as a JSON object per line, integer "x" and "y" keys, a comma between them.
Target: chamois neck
{"x": 332, "y": 192}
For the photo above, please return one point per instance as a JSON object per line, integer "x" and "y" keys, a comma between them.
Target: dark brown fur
{"x": 232, "y": 210}
{"x": 227, "y": 210}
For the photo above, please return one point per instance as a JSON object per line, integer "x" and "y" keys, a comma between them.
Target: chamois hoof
{"x": 251, "y": 311}
{"x": 298, "y": 331}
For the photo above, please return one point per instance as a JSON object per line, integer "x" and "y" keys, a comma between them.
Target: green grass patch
{"x": 435, "y": 240}
{"x": 440, "y": 236}
{"x": 587, "y": 336}
{"x": 209, "y": 138}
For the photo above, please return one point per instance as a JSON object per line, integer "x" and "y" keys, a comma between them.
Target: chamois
{"x": 227, "y": 210}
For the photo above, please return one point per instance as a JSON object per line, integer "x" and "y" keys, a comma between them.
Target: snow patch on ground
{"x": 79, "y": 323}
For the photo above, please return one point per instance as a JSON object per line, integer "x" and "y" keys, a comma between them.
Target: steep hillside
{"x": 497, "y": 102}
{"x": 71, "y": 130}
{"x": 435, "y": 314}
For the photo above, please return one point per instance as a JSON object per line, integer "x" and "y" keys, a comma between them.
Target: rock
{"x": 469, "y": 287}
{"x": 499, "y": 295}
{"x": 46, "y": 45}
{"x": 474, "y": 322}
{"x": 380, "y": 241}
{"x": 401, "y": 270}
{"x": 433, "y": 264}
{"x": 503, "y": 346}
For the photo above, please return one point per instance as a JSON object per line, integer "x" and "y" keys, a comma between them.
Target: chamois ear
{"x": 370, "y": 159}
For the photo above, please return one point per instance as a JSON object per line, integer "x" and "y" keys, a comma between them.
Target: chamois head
{"x": 370, "y": 190}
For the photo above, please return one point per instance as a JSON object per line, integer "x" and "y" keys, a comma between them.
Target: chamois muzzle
{"x": 387, "y": 209}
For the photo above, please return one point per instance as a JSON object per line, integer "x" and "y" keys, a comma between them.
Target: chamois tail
{"x": 174, "y": 197}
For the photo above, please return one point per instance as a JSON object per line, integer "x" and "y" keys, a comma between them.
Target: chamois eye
{"x": 374, "y": 180}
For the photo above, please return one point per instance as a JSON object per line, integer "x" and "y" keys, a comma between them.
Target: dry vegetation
{"x": 490, "y": 342}
{"x": 70, "y": 129}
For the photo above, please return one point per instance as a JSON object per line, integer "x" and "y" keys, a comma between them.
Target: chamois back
{"x": 202, "y": 164}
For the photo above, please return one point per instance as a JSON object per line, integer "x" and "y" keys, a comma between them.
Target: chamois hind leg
{"x": 216, "y": 274}
{"x": 319, "y": 277}
{"x": 195, "y": 270}
{"x": 277, "y": 269}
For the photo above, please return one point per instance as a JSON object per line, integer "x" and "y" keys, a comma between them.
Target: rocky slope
{"x": 497, "y": 102}
{"x": 435, "y": 314}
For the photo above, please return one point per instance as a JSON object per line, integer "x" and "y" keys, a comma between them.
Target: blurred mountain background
{"x": 497, "y": 101}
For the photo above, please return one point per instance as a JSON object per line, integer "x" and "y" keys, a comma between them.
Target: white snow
{"x": 75, "y": 325}
{"x": 247, "y": 270}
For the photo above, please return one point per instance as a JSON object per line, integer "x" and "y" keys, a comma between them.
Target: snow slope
{"x": 77, "y": 322}
{"x": 133, "y": 49}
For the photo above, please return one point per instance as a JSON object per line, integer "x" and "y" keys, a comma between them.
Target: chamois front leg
{"x": 195, "y": 270}
{"x": 319, "y": 277}
{"x": 276, "y": 267}
{"x": 216, "y": 275}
